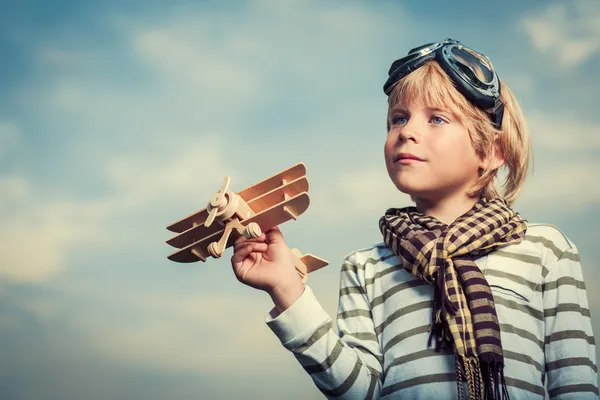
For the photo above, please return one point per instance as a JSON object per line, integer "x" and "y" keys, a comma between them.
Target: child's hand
{"x": 267, "y": 263}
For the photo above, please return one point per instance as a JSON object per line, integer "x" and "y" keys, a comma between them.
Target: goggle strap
{"x": 498, "y": 113}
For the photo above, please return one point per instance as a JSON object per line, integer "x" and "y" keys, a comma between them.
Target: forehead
{"x": 413, "y": 103}
{"x": 429, "y": 86}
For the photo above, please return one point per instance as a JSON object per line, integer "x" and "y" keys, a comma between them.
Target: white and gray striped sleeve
{"x": 345, "y": 364}
{"x": 570, "y": 349}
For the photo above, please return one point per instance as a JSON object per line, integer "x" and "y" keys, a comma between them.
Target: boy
{"x": 462, "y": 296}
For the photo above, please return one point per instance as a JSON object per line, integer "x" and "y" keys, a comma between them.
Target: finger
{"x": 242, "y": 243}
{"x": 242, "y": 239}
{"x": 274, "y": 235}
{"x": 244, "y": 251}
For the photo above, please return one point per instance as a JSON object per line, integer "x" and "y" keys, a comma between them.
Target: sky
{"x": 118, "y": 118}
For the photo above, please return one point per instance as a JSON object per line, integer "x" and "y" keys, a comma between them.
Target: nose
{"x": 408, "y": 131}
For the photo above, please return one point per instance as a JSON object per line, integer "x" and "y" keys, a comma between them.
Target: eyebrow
{"x": 398, "y": 110}
{"x": 435, "y": 109}
{"x": 429, "y": 109}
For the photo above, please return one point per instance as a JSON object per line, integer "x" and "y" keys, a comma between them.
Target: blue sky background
{"x": 118, "y": 118}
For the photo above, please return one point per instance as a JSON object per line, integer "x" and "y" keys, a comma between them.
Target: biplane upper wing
{"x": 290, "y": 174}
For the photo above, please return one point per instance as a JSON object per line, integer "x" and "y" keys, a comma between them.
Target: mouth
{"x": 406, "y": 158}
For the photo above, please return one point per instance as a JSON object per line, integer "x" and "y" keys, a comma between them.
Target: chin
{"x": 408, "y": 184}
{"x": 416, "y": 190}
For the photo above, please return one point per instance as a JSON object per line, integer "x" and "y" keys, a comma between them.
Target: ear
{"x": 494, "y": 159}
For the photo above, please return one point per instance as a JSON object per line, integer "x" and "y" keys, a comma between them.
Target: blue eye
{"x": 398, "y": 120}
{"x": 437, "y": 120}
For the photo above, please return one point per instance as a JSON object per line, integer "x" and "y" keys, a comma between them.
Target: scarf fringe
{"x": 485, "y": 381}
{"x": 494, "y": 381}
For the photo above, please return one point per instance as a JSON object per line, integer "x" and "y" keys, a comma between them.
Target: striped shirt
{"x": 379, "y": 349}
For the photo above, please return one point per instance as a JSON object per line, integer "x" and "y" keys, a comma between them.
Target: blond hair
{"x": 431, "y": 85}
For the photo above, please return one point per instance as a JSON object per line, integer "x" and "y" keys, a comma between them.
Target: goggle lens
{"x": 474, "y": 65}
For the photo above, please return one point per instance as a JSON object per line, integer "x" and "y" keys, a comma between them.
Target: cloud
{"x": 182, "y": 334}
{"x": 41, "y": 309}
{"x": 207, "y": 66}
{"x": 564, "y": 186}
{"x": 245, "y": 59}
{"x": 14, "y": 190}
{"x": 562, "y": 131}
{"x": 520, "y": 84}
{"x": 569, "y": 31}
{"x": 140, "y": 181}
{"x": 565, "y": 170}
{"x": 36, "y": 237}
{"x": 356, "y": 194}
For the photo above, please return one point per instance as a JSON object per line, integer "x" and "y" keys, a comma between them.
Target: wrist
{"x": 284, "y": 295}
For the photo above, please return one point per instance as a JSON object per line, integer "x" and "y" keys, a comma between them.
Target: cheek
{"x": 456, "y": 157}
{"x": 388, "y": 149}
{"x": 453, "y": 148}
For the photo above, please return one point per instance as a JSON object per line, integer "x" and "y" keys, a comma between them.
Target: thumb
{"x": 274, "y": 235}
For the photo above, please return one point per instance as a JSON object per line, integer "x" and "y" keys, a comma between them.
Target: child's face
{"x": 449, "y": 164}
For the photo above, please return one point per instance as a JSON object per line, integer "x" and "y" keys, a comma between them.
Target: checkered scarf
{"x": 464, "y": 315}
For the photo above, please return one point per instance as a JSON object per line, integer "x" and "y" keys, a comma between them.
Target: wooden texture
{"x": 289, "y": 174}
{"x": 184, "y": 224}
{"x": 257, "y": 205}
{"x": 313, "y": 262}
{"x": 278, "y": 194}
{"x": 266, "y": 219}
{"x": 247, "y": 194}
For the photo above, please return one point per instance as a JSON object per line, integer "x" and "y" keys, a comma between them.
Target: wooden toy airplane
{"x": 257, "y": 208}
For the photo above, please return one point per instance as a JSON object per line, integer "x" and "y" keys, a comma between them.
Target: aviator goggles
{"x": 471, "y": 72}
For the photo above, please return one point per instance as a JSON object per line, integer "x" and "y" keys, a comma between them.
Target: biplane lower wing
{"x": 186, "y": 223}
{"x": 276, "y": 215}
{"x": 258, "y": 205}
{"x": 289, "y": 174}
